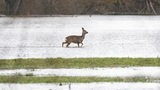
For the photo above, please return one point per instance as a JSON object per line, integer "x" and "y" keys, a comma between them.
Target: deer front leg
{"x": 78, "y": 44}
{"x": 81, "y": 44}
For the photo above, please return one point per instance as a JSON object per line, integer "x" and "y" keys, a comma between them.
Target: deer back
{"x": 74, "y": 39}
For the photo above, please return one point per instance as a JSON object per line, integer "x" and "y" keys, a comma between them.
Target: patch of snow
{"x": 82, "y": 86}
{"x": 109, "y": 36}
{"x": 149, "y": 72}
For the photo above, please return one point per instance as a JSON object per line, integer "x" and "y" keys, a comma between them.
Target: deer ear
{"x": 82, "y": 28}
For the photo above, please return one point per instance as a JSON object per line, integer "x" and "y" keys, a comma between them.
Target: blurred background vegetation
{"x": 79, "y": 7}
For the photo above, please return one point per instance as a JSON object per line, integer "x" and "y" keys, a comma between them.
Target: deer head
{"x": 84, "y": 31}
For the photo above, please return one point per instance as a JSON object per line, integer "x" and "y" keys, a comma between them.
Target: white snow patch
{"x": 109, "y": 36}
{"x": 149, "y": 72}
{"x": 82, "y": 86}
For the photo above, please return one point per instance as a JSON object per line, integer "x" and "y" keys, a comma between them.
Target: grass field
{"x": 76, "y": 63}
{"x": 59, "y": 79}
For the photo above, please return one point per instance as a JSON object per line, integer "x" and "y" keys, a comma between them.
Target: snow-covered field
{"x": 109, "y": 36}
{"x": 83, "y": 86}
{"x": 149, "y": 72}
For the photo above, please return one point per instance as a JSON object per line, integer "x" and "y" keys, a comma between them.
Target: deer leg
{"x": 78, "y": 44}
{"x": 63, "y": 43}
{"x": 81, "y": 44}
{"x": 68, "y": 44}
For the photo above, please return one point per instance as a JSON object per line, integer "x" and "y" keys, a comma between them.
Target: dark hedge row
{"x": 79, "y": 7}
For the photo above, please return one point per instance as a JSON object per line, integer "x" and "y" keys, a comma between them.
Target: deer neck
{"x": 83, "y": 35}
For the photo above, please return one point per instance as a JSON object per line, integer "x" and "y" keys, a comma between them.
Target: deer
{"x": 75, "y": 39}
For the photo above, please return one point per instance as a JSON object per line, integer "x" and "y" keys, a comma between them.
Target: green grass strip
{"x": 77, "y": 62}
{"x": 58, "y": 79}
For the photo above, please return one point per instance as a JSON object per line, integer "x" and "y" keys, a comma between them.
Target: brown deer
{"x": 75, "y": 39}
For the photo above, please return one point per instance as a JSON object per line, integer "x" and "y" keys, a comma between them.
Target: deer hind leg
{"x": 68, "y": 44}
{"x": 63, "y": 43}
